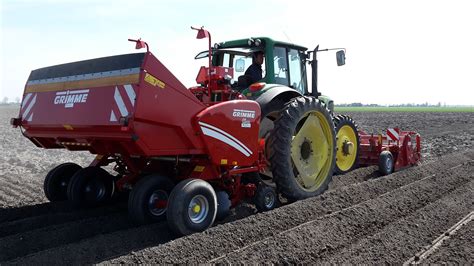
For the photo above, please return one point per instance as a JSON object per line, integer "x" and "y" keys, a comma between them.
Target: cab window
{"x": 297, "y": 70}
{"x": 280, "y": 66}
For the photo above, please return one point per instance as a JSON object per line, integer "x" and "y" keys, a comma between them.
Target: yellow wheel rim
{"x": 346, "y": 148}
{"x": 312, "y": 151}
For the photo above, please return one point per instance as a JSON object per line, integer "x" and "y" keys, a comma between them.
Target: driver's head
{"x": 258, "y": 57}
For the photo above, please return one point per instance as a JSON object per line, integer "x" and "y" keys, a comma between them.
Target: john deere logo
{"x": 69, "y": 98}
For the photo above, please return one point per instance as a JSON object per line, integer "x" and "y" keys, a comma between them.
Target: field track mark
{"x": 401, "y": 188}
{"x": 54, "y": 217}
{"x": 399, "y": 239}
{"x": 24, "y": 243}
{"x": 426, "y": 252}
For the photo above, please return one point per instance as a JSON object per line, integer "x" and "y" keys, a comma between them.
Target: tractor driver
{"x": 254, "y": 71}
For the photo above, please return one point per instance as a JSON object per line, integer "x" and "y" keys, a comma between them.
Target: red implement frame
{"x": 406, "y": 150}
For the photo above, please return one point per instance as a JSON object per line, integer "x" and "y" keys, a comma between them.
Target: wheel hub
{"x": 157, "y": 202}
{"x": 347, "y": 148}
{"x": 269, "y": 200}
{"x": 198, "y": 209}
{"x": 94, "y": 190}
{"x": 306, "y": 150}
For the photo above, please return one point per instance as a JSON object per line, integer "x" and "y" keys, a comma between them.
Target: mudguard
{"x": 230, "y": 132}
{"x": 283, "y": 93}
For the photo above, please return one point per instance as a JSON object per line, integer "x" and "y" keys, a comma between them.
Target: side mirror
{"x": 240, "y": 65}
{"x": 341, "y": 58}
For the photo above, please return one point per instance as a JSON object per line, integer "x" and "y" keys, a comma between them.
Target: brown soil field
{"x": 363, "y": 217}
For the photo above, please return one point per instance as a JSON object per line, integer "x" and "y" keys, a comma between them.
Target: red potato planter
{"x": 187, "y": 155}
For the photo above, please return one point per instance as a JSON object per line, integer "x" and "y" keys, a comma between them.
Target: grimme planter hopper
{"x": 189, "y": 155}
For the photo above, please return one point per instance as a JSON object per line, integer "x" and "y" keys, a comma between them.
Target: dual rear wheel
{"x": 90, "y": 186}
{"x": 189, "y": 207}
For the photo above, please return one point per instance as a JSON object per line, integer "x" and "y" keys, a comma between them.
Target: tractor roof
{"x": 266, "y": 40}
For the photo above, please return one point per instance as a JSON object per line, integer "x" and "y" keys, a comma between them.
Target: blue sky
{"x": 397, "y": 51}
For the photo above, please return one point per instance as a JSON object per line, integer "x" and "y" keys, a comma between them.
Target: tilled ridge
{"x": 403, "y": 238}
{"x": 226, "y": 238}
{"x": 356, "y": 176}
{"x": 312, "y": 240}
{"x": 457, "y": 250}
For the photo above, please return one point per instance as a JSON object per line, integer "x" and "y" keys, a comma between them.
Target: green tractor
{"x": 304, "y": 142}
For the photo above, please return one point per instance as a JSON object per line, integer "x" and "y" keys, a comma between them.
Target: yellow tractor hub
{"x": 311, "y": 151}
{"x": 346, "y": 150}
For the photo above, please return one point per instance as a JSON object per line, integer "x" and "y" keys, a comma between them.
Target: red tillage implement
{"x": 393, "y": 151}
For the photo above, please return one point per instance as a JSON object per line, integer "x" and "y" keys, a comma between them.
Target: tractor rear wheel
{"x": 148, "y": 200}
{"x": 302, "y": 149}
{"x": 192, "y": 207}
{"x": 90, "y": 186}
{"x": 348, "y": 143}
{"x": 57, "y": 180}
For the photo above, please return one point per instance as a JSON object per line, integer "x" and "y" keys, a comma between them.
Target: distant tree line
{"x": 6, "y": 100}
{"x": 391, "y": 105}
{"x": 357, "y": 105}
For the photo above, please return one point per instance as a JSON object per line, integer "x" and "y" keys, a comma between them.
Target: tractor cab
{"x": 284, "y": 63}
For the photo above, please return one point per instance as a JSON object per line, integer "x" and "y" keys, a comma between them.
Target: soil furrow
{"x": 457, "y": 250}
{"x": 64, "y": 213}
{"x": 400, "y": 240}
{"x": 223, "y": 239}
{"x": 311, "y": 241}
{"x": 100, "y": 247}
{"x": 24, "y": 243}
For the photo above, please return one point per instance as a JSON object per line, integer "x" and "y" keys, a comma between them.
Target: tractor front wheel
{"x": 302, "y": 149}
{"x": 148, "y": 200}
{"x": 57, "y": 181}
{"x": 192, "y": 207}
{"x": 90, "y": 186}
{"x": 347, "y": 141}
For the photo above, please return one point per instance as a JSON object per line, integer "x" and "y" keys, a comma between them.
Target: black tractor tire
{"x": 223, "y": 205}
{"x": 266, "y": 198}
{"x": 346, "y": 131}
{"x": 192, "y": 207}
{"x": 57, "y": 180}
{"x": 148, "y": 200}
{"x": 291, "y": 120}
{"x": 386, "y": 163}
{"x": 90, "y": 186}
{"x": 270, "y": 113}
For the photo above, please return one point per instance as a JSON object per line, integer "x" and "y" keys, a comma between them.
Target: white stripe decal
{"x": 392, "y": 132}
{"x": 30, "y": 118}
{"x": 28, "y": 109}
{"x": 130, "y": 93}
{"x": 225, "y": 139}
{"x": 226, "y": 134}
{"x": 120, "y": 103}
{"x": 79, "y": 91}
{"x": 113, "y": 118}
{"x": 25, "y": 100}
